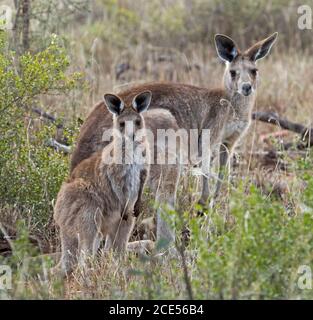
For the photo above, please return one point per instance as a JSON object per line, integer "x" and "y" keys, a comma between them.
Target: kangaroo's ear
{"x": 142, "y": 101}
{"x": 262, "y": 48}
{"x": 226, "y": 48}
{"x": 114, "y": 103}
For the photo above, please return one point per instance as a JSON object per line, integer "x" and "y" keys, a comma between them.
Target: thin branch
{"x": 47, "y": 116}
{"x": 181, "y": 251}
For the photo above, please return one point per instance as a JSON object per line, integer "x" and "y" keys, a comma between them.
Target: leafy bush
{"x": 30, "y": 172}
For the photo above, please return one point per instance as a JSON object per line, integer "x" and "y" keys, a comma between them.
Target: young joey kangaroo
{"x": 98, "y": 199}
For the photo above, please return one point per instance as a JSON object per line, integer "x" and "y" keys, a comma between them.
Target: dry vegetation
{"x": 252, "y": 243}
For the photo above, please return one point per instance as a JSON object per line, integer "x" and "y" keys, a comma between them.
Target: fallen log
{"x": 273, "y": 118}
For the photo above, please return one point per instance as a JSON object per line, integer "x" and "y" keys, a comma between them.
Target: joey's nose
{"x": 246, "y": 89}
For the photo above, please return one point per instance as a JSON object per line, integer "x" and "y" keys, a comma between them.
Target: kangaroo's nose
{"x": 246, "y": 89}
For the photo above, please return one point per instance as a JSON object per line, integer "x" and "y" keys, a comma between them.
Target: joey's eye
{"x": 137, "y": 123}
{"x": 233, "y": 74}
{"x": 122, "y": 124}
{"x": 254, "y": 72}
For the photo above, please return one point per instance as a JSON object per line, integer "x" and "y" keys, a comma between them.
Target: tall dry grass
{"x": 147, "y": 44}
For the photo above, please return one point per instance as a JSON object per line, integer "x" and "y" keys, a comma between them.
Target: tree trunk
{"x": 25, "y": 32}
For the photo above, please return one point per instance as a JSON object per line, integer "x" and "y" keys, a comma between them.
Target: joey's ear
{"x": 262, "y": 48}
{"x": 114, "y": 103}
{"x": 226, "y": 48}
{"x": 142, "y": 101}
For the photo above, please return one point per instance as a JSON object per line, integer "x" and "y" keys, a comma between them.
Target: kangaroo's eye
{"x": 233, "y": 74}
{"x": 254, "y": 72}
{"x": 122, "y": 124}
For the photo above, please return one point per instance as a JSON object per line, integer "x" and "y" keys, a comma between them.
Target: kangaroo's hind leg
{"x": 65, "y": 216}
{"x": 121, "y": 232}
{"x": 90, "y": 234}
{"x": 68, "y": 261}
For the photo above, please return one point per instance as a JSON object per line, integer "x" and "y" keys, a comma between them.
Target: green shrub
{"x": 30, "y": 171}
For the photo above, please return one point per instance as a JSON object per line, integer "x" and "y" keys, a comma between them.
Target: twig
{"x": 181, "y": 251}
{"x": 48, "y": 116}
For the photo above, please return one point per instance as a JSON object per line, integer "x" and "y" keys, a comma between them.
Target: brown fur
{"x": 97, "y": 201}
{"x": 193, "y": 107}
{"x": 190, "y": 105}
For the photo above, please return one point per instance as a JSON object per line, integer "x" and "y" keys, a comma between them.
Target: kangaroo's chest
{"x": 132, "y": 183}
{"x": 127, "y": 185}
{"x": 235, "y": 127}
{"x": 239, "y": 118}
